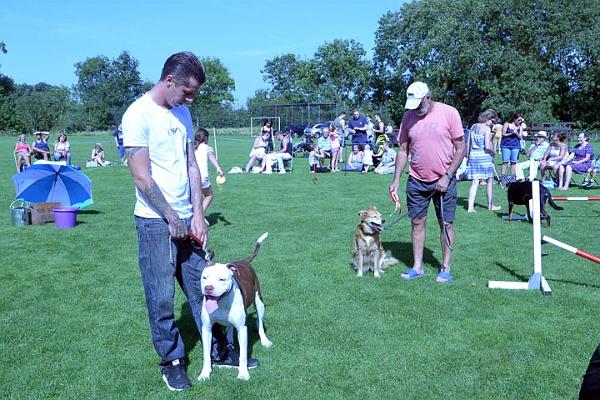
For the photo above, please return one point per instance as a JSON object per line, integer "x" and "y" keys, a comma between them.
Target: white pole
{"x": 215, "y": 136}
{"x": 537, "y": 230}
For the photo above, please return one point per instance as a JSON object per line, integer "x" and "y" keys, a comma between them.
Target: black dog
{"x": 520, "y": 193}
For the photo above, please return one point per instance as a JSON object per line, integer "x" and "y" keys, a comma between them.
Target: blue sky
{"x": 45, "y": 38}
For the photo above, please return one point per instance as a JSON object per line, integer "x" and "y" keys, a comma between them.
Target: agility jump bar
{"x": 569, "y": 198}
{"x": 572, "y": 249}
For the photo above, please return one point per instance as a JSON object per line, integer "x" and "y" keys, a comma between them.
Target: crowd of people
{"x": 173, "y": 190}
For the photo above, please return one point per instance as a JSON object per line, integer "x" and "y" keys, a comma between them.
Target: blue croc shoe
{"x": 444, "y": 275}
{"x": 412, "y": 274}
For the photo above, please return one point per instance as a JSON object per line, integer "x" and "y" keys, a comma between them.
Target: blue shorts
{"x": 419, "y": 194}
{"x": 510, "y": 155}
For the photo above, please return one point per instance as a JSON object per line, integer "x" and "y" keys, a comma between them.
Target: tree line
{"x": 537, "y": 57}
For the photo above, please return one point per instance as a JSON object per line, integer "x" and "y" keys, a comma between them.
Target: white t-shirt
{"x": 166, "y": 133}
{"x": 202, "y": 160}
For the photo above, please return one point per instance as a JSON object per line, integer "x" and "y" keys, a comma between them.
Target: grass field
{"x": 74, "y": 324}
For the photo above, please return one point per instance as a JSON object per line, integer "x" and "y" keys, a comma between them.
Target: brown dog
{"x": 368, "y": 253}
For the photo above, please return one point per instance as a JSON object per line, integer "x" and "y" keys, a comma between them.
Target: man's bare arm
{"x": 139, "y": 165}
{"x": 199, "y": 227}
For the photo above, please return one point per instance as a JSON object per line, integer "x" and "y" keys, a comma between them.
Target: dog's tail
{"x": 388, "y": 260}
{"x": 256, "y": 248}
{"x": 553, "y": 204}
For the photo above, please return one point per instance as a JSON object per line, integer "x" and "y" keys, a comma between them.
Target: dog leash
{"x": 397, "y": 207}
{"x": 446, "y": 234}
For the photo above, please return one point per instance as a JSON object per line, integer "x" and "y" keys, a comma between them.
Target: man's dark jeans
{"x": 161, "y": 261}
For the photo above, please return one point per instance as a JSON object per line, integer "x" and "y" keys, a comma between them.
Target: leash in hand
{"x": 397, "y": 207}
{"x": 446, "y": 234}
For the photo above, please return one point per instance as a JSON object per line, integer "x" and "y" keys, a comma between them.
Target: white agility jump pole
{"x": 572, "y": 249}
{"x": 536, "y": 280}
{"x": 569, "y": 198}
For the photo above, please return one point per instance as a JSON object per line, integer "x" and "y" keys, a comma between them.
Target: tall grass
{"x": 74, "y": 323}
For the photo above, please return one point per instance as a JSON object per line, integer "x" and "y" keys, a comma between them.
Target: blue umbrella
{"x": 48, "y": 182}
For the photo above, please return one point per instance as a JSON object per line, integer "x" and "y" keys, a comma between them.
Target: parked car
{"x": 315, "y": 130}
{"x": 294, "y": 130}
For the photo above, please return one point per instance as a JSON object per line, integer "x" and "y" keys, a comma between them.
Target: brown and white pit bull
{"x": 229, "y": 289}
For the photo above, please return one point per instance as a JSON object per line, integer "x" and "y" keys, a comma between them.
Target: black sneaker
{"x": 232, "y": 360}
{"x": 175, "y": 377}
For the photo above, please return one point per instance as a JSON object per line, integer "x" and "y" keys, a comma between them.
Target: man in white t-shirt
{"x": 171, "y": 229}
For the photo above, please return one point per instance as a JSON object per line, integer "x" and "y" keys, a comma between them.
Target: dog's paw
{"x": 266, "y": 342}
{"x": 243, "y": 375}
{"x": 204, "y": 375}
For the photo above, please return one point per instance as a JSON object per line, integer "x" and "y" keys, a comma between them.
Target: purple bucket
{"x": 65, "y": 217}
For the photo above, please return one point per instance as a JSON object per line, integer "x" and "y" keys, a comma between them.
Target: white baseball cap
{"x": 414, "y": 94}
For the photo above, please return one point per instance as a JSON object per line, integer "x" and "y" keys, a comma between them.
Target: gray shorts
{"x": 419, "y": 194}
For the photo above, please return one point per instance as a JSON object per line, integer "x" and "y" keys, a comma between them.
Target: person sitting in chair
{"x": 555, "y": 154}
{"x": 535, "y": 153}
{"x": 259, "y": 149}
{"x": 284, "y": 153}
{"x": 22, "y": 151}
{"x": 62, "y": 149}
{"x": 39, "y": 148}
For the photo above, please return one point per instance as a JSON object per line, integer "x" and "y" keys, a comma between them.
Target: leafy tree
{"x": 342, "y": 71}
{"x": 292, "y": 79}
{"x": 212, "y": 106}
{"x": 106, "y": 87}
{"x": 511, "y": 55}
{"x": 41, "y": 106}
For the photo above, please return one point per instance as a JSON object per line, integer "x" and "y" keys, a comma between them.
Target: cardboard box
{"x": 42, "y": 213}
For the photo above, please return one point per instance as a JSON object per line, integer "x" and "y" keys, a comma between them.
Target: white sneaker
{"x": 267, "y": 172}
{"x": 282, "y": 171}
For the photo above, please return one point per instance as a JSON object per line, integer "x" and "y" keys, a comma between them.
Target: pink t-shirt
{"x": 429, "y": 140}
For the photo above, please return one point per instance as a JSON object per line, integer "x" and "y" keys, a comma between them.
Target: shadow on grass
{"x": 512, "y": 273}
{"x": 90, "y": 212}
{"x": 523, "y": 278}
{"x": 403, "y": 252}
{"x": 191, "y": 335}
{"x": 217, "y": 217}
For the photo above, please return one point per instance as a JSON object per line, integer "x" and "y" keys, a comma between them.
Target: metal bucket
{"x": 20, "y": 213}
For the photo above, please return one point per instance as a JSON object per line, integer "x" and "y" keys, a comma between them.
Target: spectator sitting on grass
{"x": 314, "y": 159}
{"x": 355, "y": 160}
{"x": 388, "y": 160}
{"x": 97, "y": 155}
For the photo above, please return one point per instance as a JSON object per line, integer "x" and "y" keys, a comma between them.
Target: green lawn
{"x": 73, "y": 316}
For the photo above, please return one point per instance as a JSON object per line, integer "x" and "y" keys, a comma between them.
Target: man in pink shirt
{"x": 431, "y": 135}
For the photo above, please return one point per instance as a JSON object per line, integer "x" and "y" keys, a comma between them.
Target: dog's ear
{"x": 232, "y": 268}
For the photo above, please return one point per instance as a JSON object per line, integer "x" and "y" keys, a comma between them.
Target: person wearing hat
{"x": 535, "y": 153}
{"x": 431, "y": 133}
